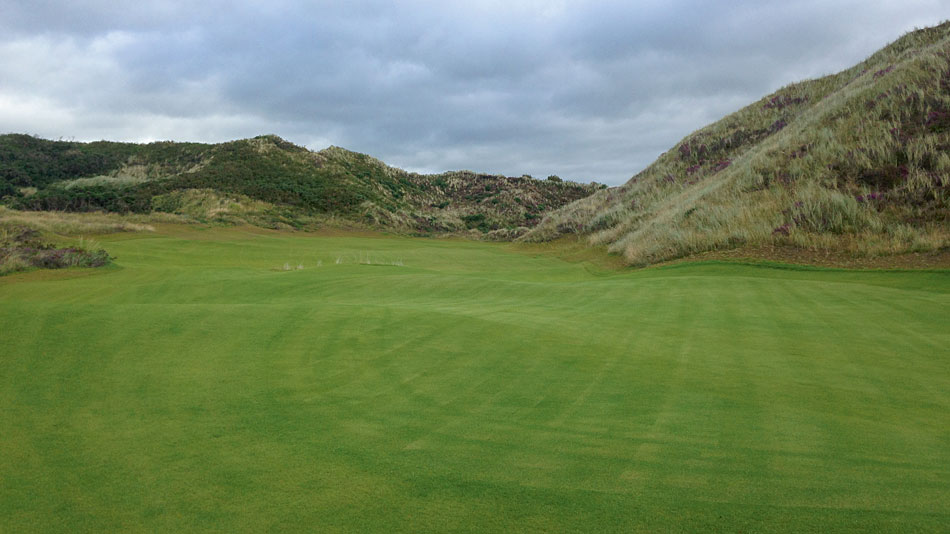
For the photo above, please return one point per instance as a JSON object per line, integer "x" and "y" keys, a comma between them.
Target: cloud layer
{"x": 585, "y": 90}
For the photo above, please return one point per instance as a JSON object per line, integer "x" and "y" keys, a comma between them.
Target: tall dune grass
{"x": 81, "y": 224}
{"x": 858, "y": 160}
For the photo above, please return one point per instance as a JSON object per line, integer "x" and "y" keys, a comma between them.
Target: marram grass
{"x": 818, "y": 164}
{"x": 432, "y": 386}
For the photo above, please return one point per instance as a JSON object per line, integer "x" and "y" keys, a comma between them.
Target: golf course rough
{"x": 228, "y": 380}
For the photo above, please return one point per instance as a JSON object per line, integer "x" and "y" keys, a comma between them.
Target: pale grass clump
{"x": 897, "y": 239}
{"x": 78, "y": 224}
{"x": 209, "y": 206}
{"x": 367, "y": 258}
{"x": 856, "y": 161}
{"x": 13, "y": 263}
{"x": 900, "y": 239}
{"x": 288, "y": 266}
{"x": 88, "y": 243}
{"x": 127, "y": 175}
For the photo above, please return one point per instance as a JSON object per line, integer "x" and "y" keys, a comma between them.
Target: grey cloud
{"x": 586, "y": 90}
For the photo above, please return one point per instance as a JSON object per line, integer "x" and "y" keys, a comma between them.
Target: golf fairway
{"x": 228, "y": 380}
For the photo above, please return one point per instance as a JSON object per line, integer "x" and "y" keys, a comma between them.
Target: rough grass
{"x": 215, "y": 207}
{"x": 196, "y": 388}
{"x": 23, "y": 247}
{"x": 270, "y": 182}
{"x": 857, "y": 160}
{"x": 79, "y": 224}
{"x": 55, "y": 240}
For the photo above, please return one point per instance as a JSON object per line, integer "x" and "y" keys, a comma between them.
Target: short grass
{"x": 422, "y": 385}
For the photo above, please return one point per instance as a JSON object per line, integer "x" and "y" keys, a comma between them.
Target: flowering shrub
{"x": 691, "y": 150}
{"x": 869, "y": 197}
{"x": 722, "y": 165}
{"x": 785, "y": 229}
{"x": 938, "y": 121}
{"x": 783, "y": 101}
{"x": 777, "y": 125}
{"x": 882, "y": 72}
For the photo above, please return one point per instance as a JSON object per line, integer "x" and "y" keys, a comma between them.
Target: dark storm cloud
{"x": 586, "y": 90}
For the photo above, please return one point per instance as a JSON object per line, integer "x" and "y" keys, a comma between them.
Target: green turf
{"x": 196, "y": 386}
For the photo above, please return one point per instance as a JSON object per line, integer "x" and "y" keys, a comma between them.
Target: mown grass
{"x": 460, "y": 386}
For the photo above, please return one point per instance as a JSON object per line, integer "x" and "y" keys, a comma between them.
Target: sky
{"x": 589, "y": 91}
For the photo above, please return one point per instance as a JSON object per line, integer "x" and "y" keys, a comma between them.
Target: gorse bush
{"x": 88, "y": 198}
{"x": 27, "y": 161}
{"x": 269, "y": 182}
{"x": 276, "y": 176}
{"x": 821, "y": 163}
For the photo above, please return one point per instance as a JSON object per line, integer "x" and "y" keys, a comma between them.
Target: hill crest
{"x": 271, "y": 182}
{"x": 858, "y": 160}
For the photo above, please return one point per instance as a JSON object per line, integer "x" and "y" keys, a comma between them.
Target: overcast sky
{"x": 585, "y": 90}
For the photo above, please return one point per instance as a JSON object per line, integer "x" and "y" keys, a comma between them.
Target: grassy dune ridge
{"x": 397, "y": 384}
{"x": 855, "y": 161}
{"x": 269, "y": 182}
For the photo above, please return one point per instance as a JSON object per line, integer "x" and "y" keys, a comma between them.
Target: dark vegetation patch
{"x": 88, "y": 198}
{"x": 27, "y": 161}
{"x": 277, "y": 177}
{"x": 332, "y": 182}
{"x": 22, "y": 248}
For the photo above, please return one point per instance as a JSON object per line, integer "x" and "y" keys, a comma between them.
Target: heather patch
{"x": 867, "y": 152}
{"x": 23, "y": 248}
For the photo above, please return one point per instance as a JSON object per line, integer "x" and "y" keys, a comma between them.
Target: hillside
{"x": 270, "y": 182}
{"x": 858, "y": 161}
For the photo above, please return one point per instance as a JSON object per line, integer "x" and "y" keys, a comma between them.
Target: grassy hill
{"x": 269, "y": 182}
{"x": 857, "y": 161}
